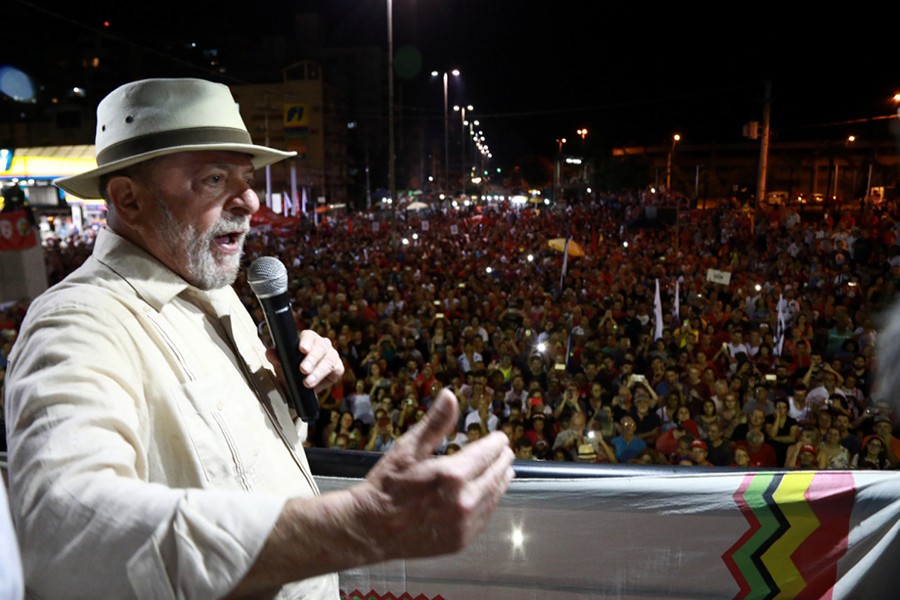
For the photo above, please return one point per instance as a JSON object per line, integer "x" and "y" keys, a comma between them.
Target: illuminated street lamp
{"x": 837, "y": 169}
{"x": 561, "y": 141}
{"x": 462, "y": 126}
{"x": 583, "y": 133}
{"x": 675, "y": 139}
{"x": 557, "y": 175}
{"x": 446, "y": 79}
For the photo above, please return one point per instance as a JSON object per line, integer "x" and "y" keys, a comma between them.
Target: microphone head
{"x": 267, "y": 276}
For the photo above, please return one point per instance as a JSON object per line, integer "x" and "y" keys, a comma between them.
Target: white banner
{"x": 716, "y": 276}
{"x": 759, "y": 534}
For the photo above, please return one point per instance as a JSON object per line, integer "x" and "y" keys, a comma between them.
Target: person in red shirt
{"x": 538, "y": 430}
{"x": 667, "y": 443}
{"x": 424, "y": 380}
{"x": 761, "y": 453}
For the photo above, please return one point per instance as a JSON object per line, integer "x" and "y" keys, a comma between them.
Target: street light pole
{"x": 584, "y": 174}
{"x": 557, "y": 174}
{"x": 837, "y": 192}
{"x": 675, "y": 139}
{"x": 392, "y": 183}
{"x": 462, "y": 126}
{"x": 583, "y": 133}
{"x": 446, "y": 77}
{"x": 446, "y": 137}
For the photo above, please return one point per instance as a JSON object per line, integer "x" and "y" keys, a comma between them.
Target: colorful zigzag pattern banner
{"x": 793, "y": 545}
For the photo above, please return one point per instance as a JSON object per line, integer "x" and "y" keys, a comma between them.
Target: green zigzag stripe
{"x": 773, "y": 522}
{"x": 747, "y": 558}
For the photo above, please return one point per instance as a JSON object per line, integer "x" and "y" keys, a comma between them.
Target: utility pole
{"x": 763, "y": 153}
{"x": 392, "y": 173}
{"x": 446, "y": 137}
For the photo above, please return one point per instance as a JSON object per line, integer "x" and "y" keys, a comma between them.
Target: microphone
{"x": 268, "y": 279}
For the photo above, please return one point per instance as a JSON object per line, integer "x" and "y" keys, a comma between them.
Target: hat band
{"x": 196, "y": 136}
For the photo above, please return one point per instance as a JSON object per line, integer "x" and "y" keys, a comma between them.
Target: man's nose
{"x": 245, "y": 200}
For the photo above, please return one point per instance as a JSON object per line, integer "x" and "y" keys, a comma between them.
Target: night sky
{"x": 630, "y": 72}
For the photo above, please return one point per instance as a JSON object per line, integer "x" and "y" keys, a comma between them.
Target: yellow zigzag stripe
{"x": 802, "y": 521}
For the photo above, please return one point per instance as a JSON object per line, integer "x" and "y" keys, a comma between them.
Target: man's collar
{"x": 153, "y": 281}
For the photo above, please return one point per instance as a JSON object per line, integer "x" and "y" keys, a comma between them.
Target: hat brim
{"x": 87, "y": 185}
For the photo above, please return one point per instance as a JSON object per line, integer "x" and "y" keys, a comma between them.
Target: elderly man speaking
{"x": 152, "y": 453}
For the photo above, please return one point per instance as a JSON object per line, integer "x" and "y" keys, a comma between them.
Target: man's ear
{"x": 124, "y": 194}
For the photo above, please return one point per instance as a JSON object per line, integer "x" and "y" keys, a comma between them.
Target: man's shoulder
{"x": 88, "y": 289}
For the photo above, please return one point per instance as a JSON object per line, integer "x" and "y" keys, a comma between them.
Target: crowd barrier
{"x": 578, "y": 531}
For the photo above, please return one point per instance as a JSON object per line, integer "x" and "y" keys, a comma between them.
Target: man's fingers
{"x": 484, "y": 471}
{"x": 321, "y": 365}
{"x": 490, "y": 454}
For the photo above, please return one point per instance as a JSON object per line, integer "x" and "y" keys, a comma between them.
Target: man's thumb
{"x": 439, "y": 420}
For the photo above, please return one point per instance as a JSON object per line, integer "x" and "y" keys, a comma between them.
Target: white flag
{"x": 657, "y": 314}
{"x": 779, "y": 327}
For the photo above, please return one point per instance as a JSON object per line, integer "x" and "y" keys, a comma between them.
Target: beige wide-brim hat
{"x": 153, "y": 117}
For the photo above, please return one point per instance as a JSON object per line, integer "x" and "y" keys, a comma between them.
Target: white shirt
{"x": 798, "y": 413}
{"x": 361, "y": 406}
{"x": 514, "y": 398}
{"x": 464, "y": 363}
{"x": 12, "y": 587}
{"x": 141, "y": 462}
{"x": 735, "y": 350}
{"x": 473, "y": 416}
{"x": 815, "y": 398}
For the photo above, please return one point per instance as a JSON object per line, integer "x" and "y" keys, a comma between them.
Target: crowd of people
{"x": 764, "y": 357}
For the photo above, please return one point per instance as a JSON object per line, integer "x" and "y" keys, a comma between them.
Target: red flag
{"x": 16, "y": 231}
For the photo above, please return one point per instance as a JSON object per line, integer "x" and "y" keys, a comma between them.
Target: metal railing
{"x": 354, "y": 464}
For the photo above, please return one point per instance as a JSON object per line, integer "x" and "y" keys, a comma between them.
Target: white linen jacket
{"x": 142, "y": 462}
